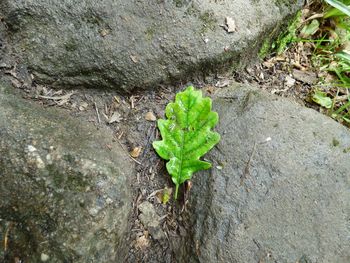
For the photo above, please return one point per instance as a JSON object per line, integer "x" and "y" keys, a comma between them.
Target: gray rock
{"x": 125, "y": 44}
{"x": 290, "y": 202}
{"x": 64, "y": 197}
{"x": 151, "y": 220}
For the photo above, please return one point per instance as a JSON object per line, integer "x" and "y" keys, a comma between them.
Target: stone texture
{"x": 151, "y": 220}
{"x": 64, "y": 196}
{"x": 125, "y": 44}
{"x": 292, "y": 203}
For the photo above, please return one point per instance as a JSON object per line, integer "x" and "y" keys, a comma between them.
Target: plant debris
{"x": 150, "y": 116}
{"x": 60, "y": 100}
{"x": 230, "y": 25}
{"x": 136, "y": 152}
{"x": 143, "y": 241}
{"x": 116, "y": 117}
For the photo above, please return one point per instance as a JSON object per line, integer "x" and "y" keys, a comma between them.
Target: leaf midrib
{"x": 183, "y": 134}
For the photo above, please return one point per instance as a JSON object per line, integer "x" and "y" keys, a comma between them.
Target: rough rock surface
{"x": 64, "y": 196}
{"x": 151, "y": 220}
{"x": 290, "y": 202}
{"x": 125, "y": 44}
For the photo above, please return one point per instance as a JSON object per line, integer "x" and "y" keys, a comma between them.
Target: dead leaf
{"x": 104, "y": 32}
{"x": 210, "y": 89}
{"x": 59, "y": 99}
{"x": 268, "y": 64}
{"x": 12, "y": 72}
{"x": 117, "y": 99}
{"x": 116, "y": 117}
{"x": 230, "y": 25}
{"x": 289, "y": 81}
{"x": 298, "y": 66}
{"x": 142, "y": 242}
{"x": 83, "y": 106}
{"x": 134, "y": 59}
{"x": 164, "y": 195}
{"x": 132, "y": 102}
{"x": 16, "y": 83}
{"x": 189, "y": 186}
{"x": 223, "y": 83}
{"x": 136, "y": 152}
{"x": 261, "y": 76}
{"x": 280, "y": 58}
{"x": 150, "y": 116}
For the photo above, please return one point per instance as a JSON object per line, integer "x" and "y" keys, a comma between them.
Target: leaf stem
{"x": 176, "y": 191}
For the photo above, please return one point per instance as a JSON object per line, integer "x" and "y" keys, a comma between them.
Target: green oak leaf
{"x": 187, "y": 135}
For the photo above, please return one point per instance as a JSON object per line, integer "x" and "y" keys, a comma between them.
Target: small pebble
{"x": 44, "y": 257}
{"x": 150, "y": 116}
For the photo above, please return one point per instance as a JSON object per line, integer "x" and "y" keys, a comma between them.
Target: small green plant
{"x": 187, "y": 135}
{"x": 283, "y": 39}
{"x": 328, "y": 32}
{"x": 280, "y": 45}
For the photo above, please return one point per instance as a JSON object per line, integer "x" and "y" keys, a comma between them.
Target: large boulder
{"x": 125, "y": 44}
{"x": 279, "y": 187}
{"x": 64, "y": 196}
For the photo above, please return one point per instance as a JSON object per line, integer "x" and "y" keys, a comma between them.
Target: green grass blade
{"x": 340, "y": 6}
{"x": 345, "y": 56}
{"x": 342, "y": 108}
